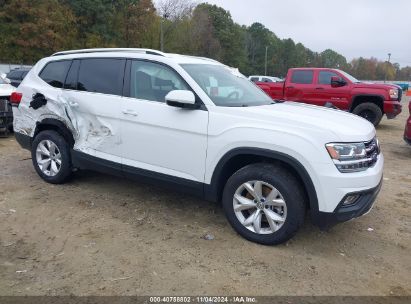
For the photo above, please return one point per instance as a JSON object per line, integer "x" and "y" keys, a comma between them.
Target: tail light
{"x": 15, "y": 98}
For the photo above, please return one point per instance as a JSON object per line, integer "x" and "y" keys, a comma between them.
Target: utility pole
{"x": 265, "y": 66}
{"x": 387, "y": 65}
{"x": 165, "y": 16}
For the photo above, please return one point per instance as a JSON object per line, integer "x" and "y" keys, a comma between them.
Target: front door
{"x": 338, "y": 96}
{"x": 156, "y": 137}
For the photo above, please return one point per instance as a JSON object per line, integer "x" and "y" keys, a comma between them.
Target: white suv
{"x": 197, "y": 125}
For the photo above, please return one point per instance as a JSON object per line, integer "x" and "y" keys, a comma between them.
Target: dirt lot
{"x": 101, "y": 235}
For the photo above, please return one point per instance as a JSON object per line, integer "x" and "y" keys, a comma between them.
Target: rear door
{"x": 299, "y": 86}
{"x": 93, "y": 90}
{"x": 155, "y": 136}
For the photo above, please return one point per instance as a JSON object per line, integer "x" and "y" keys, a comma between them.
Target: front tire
{"x": 264, "y": 203}
{"x": 50, "y": 154}
{"x": 370, "y": 111}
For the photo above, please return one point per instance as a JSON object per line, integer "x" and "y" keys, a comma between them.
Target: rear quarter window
{"x": 54, "y": 73}
{"x": 302, "y": 77}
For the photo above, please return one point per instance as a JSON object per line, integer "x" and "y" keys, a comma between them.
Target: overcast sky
{"x": 353, "y": 28}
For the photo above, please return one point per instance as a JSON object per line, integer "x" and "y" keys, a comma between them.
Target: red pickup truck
{"x": 321, "y": 86}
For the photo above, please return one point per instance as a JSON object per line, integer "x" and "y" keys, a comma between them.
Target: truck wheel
{"x": 50, "y": 154}
{"x": 264, "y": 203}
{"x": 369, "y": 111}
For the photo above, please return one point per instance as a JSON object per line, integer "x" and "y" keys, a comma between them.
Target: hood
{"x": 6, "y": 89}
{"x": 381, "y": 86}
{"x": 339, "y": 125}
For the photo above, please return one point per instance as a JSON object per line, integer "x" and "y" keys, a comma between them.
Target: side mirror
{"x": 182, "y": 99}
{"x": 337, "y": 82}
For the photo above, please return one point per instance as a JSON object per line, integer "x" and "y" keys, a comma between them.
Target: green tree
{"x": 331, "y": 59}
{"x": 34, "y": 29}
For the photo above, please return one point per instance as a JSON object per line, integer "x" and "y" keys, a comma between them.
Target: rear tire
{"x": 369, "y": 111}
{"x": 271, "y": 218}
{"x": 50, "y": 154}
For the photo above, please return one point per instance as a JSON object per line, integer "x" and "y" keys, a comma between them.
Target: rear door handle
{"x": 290, "y": 87}
{"x": 130, "y": 112}
{"x": 319, "y": 88}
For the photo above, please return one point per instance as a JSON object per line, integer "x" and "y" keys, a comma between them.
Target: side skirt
{"x": 84, "y": 161}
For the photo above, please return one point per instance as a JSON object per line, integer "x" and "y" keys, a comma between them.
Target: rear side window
{"x": 267, "y": 80}
{"x": 71, "y": 80}
{"x": 54, "y": 73}
{"x": 101, "y": 75}
{"x": 325, "y": 77}
{"x": 302, "y": 77}
{"x": 254, "y": 79}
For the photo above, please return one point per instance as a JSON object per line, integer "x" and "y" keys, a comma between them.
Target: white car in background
{"x": 5, "y": 88}
{"x": 255, "y": 78}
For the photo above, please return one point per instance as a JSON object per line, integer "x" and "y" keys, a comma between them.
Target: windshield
{"x": 226, "y": 87}
{"x": 350, "y": 78}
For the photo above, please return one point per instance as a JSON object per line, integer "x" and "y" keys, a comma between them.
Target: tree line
{"x": 30, "y": 30}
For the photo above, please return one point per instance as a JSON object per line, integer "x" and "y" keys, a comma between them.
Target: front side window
{"x": 267, "y": 80}
{"x": 226, "y": 87}
{"x": 153, "y": 81}
{"x": 325, "y": 77}
{"x": 101, "y": 75}
{"x": 54, "y": 73}
{"x": 302, "y": 77}
{"x": 254, "y": 79}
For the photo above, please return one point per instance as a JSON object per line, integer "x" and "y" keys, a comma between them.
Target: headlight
{"x": 393, "y": 93}
{"x": 353, "y": 157}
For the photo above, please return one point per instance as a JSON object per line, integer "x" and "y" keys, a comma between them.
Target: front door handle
{"x": 319, "y": 88}
{"x": 291, "y": 87}
{"x": 130, "y": 112}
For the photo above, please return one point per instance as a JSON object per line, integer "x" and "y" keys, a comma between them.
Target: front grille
{"x": 373, "y": 150}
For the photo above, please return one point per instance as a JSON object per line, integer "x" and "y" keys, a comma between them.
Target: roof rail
{"x": 104, "y": 50}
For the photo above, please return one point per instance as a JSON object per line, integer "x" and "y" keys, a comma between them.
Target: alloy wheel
{"x": 260, "y": 207}
{"x": 48, "y": 157}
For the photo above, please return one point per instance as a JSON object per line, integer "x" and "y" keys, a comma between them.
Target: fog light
{"x": 351, "y": 199}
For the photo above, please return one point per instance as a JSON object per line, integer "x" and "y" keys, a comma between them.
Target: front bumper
{"x": 344, "y": 213}
{"x": 392, "y": 108}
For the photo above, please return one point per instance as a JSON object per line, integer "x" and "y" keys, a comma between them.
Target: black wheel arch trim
{"x": 366, "y": 95}
{"x": 212, "y": 191}
{"x": 65, "y": 131}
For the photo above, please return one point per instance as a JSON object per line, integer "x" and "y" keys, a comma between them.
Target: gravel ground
{"x": 102, "y": 235}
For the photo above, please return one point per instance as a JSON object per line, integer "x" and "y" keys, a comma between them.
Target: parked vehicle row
{"x": 197, "y": 125}
{"x": 6, "y": 113}
{"x": 264, "y": 79}
{"x": 16, "y": 76}
{"x": 321, "y": 86}
{"x": 407, "y": 131}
